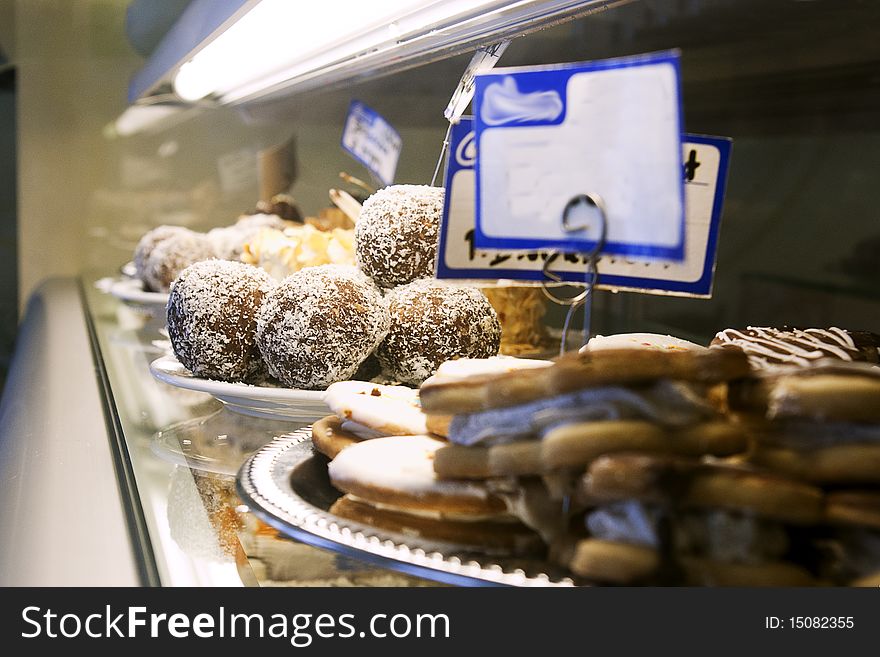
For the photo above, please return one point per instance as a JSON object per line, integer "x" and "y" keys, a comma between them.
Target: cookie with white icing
{"x": 388, "y": 410}
{"x": 770, "y": 347}
{"x": 398, "y": 471}
{"x": 329, "y": 436}
{"x": 462, "y": 368}
{"x": 655, "y": 341}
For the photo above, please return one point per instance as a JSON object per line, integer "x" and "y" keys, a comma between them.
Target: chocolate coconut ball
{"x": 212, "y": 319}
{"x": 172, "y": 255}
{"x": 150, "y": 241}
{"x": 432, "y": 322}
{"x": 319, "y": 324}
{"x": 397, "y": 232}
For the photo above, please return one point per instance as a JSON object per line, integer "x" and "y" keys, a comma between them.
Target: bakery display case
{"x": 191, "y": 404}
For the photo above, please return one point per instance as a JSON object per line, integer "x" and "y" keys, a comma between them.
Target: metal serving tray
{"x": 286, "y": 485}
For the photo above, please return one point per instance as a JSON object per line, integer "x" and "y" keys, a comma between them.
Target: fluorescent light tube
{"x": 280, "y": 40}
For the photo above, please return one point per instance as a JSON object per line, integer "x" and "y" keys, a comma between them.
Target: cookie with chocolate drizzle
{"x": 769, "y": 347}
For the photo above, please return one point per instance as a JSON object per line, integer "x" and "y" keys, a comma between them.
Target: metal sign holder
{"x": 591, "y": 275}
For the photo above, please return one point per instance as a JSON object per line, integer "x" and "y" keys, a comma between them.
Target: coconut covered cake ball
{"x": 150, "y": 241}
{"x": 397, "y": 232}
{"x": 432, "y": 322}
{"x": 212, "y": 319}
{"x": 172, "y": 255}
{"x": 319, "y": 324}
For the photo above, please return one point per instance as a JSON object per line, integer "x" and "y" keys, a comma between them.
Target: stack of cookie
{"x": 812, "y": 406}
{"x": 681, "y": 521}
{"x": 382, "y": 460}
{"x": 529, "y": 436}
{"x": 390, "y": 483}
{"x": 821, "y": 424}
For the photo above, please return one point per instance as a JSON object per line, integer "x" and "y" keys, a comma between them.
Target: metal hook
{"x": 597, "y": 202}
{"x": 592, "y": 274}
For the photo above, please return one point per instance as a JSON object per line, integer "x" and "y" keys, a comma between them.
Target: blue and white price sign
{"x": 703, "y": 165}
{"x": 372, "y": 141}
{"x": 549, "y": 134}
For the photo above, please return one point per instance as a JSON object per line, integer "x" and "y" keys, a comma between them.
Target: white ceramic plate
{"x": 131, "y": 291}
{"x": 268, "y": 402}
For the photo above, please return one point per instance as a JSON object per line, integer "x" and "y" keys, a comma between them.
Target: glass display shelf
{"x": 179, "y": 452}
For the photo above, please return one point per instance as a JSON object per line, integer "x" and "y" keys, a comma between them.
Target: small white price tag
{"x": 549, "y": 134}
{"x": 704, "y": 166}
{"x": 372, "y": 141}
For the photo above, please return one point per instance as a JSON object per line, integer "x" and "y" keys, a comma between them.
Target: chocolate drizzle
{"x": 768, "y": 347}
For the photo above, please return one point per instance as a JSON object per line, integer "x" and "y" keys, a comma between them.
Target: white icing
{"x": 389, "y": 410}
{"x": 462, "y": 368}
{"x": 399, "y": 463}
{"x": 654, "y": 341}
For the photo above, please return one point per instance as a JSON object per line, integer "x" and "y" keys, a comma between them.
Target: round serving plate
{"x": 267, "y": 402}
{"x": 131, "y": 291}
{"x": 287, "y": 486}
